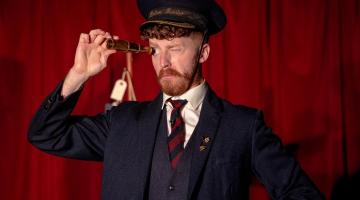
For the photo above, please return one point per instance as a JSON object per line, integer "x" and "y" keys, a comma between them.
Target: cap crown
{"x": 201, "y": 14}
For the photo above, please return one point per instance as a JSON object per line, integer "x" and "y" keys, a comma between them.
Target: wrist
{"x": 73, "y": 82}
{"x": 77, "y": 74}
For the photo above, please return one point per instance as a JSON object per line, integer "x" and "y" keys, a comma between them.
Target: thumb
{"x": 108, "y": 52}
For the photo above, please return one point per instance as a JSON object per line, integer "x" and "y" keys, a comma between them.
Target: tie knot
{"x": 177, "y": 104}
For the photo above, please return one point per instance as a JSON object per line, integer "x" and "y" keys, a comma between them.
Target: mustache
{"x": 169, "y": 72}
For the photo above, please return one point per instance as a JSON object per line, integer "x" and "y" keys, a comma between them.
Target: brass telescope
{"x": 126, "y": 46}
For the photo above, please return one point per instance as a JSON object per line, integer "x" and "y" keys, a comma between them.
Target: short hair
{"x": 165, "y": 31}
{"x": 168, "y": 32}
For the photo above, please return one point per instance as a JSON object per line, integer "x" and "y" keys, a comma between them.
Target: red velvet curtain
{"x": 299, "y": 61}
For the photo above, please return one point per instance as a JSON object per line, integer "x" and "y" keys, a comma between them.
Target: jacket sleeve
{"x": 55, "y": 131}
{"x": 276, "y": 169}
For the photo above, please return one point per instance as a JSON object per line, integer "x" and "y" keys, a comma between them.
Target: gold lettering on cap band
{"x": 195, "y": 18}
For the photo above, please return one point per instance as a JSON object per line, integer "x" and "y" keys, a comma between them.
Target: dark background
{"x": 298, "y": 60}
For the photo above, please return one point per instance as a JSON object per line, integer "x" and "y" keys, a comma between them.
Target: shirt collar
{"x": 194, "y": 96}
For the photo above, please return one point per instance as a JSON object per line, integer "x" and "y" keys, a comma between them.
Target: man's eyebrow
{"x": 167, "y": 46}
{"x": 152, "y": 44}
{"x": 173, "y": 45}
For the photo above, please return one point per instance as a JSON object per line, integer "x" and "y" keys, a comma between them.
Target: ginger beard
{"x": 181, "y": 82}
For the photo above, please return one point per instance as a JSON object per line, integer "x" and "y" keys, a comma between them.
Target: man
{"x": 185, "y": 144}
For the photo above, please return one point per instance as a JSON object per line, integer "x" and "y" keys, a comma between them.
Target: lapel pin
{"x": 202, "y": 148}
{"x": 204, "y": 143}
{"x": 206, "y": 140}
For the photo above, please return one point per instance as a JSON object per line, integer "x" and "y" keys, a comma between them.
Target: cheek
{"x": 155, "y": 65}
{"x": 179, "y": 60}
{"x": 185, "y": 64}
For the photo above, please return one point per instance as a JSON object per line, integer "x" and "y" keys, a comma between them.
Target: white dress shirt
{"x": 191, "y": 112}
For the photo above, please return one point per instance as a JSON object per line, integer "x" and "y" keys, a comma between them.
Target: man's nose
{"x": 165, "y": 60}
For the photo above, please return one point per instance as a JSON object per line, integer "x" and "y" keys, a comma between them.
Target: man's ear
{"x": 204, "y": 53}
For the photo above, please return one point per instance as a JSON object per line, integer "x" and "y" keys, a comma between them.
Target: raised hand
{"x": 91, "y": 53}
{"x": 90, "y": 59}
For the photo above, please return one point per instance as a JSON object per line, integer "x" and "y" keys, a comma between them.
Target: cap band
{"x": 178, "y": 15}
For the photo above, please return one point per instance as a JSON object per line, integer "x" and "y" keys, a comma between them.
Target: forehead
{"x": 191, "y": 40}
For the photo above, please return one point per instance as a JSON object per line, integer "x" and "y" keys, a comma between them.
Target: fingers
{"x": 104, "y": 38}
{"x": 110, "y": 37}
{"x": 94, "y": 33}
{"x": 84, "y": 38}
{"x": 99, "y": 37}
{"x": 109, "y": 52}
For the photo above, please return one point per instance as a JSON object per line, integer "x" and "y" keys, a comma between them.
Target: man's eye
{"x": 154, "y": 51}
{"x": 175, "y": 49}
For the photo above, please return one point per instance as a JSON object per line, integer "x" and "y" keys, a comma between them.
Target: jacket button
{"x": 47, "y": 106}
{"x": 171, "y": 187}
{"x": 49, "y": 103}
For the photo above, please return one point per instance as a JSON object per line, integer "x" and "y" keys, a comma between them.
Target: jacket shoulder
{"x": 129, "y": 108}
{"x": 239, "y": 110}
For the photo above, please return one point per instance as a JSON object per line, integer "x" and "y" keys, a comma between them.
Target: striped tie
{"x": 177, "y": 137}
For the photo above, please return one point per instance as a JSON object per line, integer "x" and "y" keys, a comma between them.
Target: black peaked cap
{"x": 194, "y": 14}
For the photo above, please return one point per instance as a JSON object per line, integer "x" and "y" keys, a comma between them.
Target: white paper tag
{"x": 118, "y": 91}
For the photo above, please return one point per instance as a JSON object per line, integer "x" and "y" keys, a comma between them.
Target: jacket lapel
{"x": 147, "y": 129}
{"x": 204, "y": 136}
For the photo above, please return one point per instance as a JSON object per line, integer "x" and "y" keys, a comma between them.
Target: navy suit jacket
{"x": 123, "y": 138}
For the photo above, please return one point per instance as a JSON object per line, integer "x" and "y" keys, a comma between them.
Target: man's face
{"x": 175, "y": 63}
